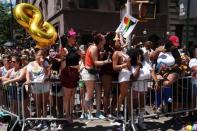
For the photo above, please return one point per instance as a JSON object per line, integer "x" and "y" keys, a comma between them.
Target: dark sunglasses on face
{"x": 13, "y": 61}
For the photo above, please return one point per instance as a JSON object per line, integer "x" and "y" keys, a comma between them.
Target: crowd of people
{"x": 100, "y": 57}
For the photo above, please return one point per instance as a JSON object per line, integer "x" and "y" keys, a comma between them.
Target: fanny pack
{"x": 92, "y": 71}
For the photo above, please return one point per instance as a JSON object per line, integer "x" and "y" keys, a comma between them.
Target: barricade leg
{"x": 132, "y": 111}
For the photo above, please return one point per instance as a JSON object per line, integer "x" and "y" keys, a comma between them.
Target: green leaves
{"x": 5, "y": 19}
{"x": 6, "y": 25}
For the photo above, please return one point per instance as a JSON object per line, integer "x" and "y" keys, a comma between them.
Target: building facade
{"x": 104, "y": 16}
{"x": 177, "y": 25}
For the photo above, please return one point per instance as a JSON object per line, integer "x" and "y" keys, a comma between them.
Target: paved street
{"x": 3, "y": 127}
{"x": 161, "y": 124}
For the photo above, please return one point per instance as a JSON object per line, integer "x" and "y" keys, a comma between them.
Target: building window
{"x": 89, "y": 4}
{"x": 57, "y": 5}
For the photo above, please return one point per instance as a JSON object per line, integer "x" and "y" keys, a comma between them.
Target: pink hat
{"x": 175, "y": 40}
{"x": 71, "y": 32}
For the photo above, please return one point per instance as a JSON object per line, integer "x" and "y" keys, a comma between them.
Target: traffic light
{"x": 147, "y": 10}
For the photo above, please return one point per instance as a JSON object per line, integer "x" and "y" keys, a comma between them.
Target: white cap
{"x": 193, "y": 62}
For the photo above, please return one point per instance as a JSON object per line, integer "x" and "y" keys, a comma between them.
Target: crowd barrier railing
{"x": 10, "y": 102}
{"x": 181, "y": 97}
{"x": 35, "y": 101}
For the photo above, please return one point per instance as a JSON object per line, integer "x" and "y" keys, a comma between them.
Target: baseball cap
{"x": 192, "y": 63}
{"x": 175, "y": 40}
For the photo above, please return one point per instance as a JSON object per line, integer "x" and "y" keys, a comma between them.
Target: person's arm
{"x": 47, "y": 70}
{"x": 28, "y": 75}
{"x": 135, "y": 75}
{"x": 154, "y": 54}
{"x": 94, "y": 53}
{"x": 6, "y": 77}
{"x": 154, "y": 76}
{"x": 19, "y": 78}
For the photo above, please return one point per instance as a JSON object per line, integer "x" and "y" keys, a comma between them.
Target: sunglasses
{"x": 13, "y": 61}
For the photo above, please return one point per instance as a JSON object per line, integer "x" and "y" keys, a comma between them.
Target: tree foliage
{"x": 5, "y": 19}
{"x": 9, "y": 25}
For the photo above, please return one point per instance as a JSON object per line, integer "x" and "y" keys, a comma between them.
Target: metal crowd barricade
{"x": 10, "y": 102}
{"x": 183, "y": 99}
{"x": 36, "y": 90}
{"x": 33, "y": 107}
{"x": 180, "y": 98}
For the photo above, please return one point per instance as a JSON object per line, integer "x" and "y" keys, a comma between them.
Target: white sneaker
{"x": 59, "y": 127}
{"x": 82, "y": 116}
{"x": 90, "y": 116}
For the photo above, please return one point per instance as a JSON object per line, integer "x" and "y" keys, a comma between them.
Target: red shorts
{"x": 69, "y": 77}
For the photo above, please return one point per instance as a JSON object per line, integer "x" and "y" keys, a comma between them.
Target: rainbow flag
{"x": 126, "y": 26}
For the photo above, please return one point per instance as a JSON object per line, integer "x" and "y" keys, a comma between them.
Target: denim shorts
{"x": 40, "y": 88}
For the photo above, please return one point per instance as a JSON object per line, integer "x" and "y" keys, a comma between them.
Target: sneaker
{"x": 159, "y": 110}
{"x": 38, "y": 125}
{"x": 115, "y": 123}
{"x": 82, "y": 116}
{"x": 53, "y": 126}
{"x": 59, "y": 128}
{"x": 120, "y": 116}
{"x": 99, "y": 115}
{"x": 89, "y": 116}
{"x": 141, "y": 123}
{"x": 41, "y": 126}
{"x": 110, "y": 116}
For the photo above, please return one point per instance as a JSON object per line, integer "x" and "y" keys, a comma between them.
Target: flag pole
{"x": 129, "y": 13}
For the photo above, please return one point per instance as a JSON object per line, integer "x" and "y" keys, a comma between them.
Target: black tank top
{"x": 73, "y": 57}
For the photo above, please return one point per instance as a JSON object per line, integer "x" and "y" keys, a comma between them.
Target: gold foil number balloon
{"x": 31, "y": 18}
